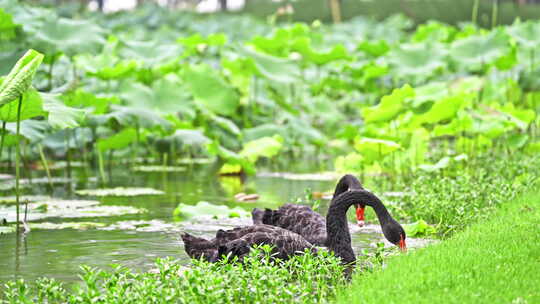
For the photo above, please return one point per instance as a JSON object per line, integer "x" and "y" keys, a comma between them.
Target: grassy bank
{"x": 494, "y": 261}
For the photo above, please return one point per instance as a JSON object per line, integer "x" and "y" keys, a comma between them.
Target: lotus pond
{"x": 133, "y": 228}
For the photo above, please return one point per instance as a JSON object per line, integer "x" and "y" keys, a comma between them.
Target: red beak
{"x": 360, "y": 215}
{"x": 402, "y": 244}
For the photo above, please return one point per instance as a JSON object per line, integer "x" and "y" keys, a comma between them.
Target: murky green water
{"x": 59, "y": 253}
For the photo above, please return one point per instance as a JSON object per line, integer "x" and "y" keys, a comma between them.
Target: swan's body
{"x": 302, "y": 219}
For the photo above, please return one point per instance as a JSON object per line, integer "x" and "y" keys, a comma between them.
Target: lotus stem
{"x": 2, "y": 139}
{"x": 51, "y": 66}
{"x": 494, "y": 13}
{"x": 101, "y": 167}
{"x": 45, "y": 164}
{"x": 476, "y": 6}
{"x": 17, "y": 160}
{"x": 68, "y": 154}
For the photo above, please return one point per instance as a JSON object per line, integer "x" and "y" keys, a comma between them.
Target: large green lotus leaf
{"x": 490, "y": 126}
{"x": 274, "y": 68}
{"x": 525, "y": 116}
{"x": 264, "y": 130}
{"x": 33, "y": 130}
{"x": 61, "y": 116}
{"x": 69, "y": 36}
{"x": 389, "y": 107}
{"x": 417, "y": 60}
{"x": 190, "y": 137}
{"x": 58, "y": 141}
{"x": 19, "y": 80}
{"x": 303, "y": 46}
{"x": 132, "y": 116}
{"x": 434, "y": 31}
{"x": 119, "y": 140}
{"x": 211, "y": 91}
{"x": 444, "y": 109}
{"x": 479, "y": 50}
{"x": 262, "y": 147}
{"x": 373, "y": 149}
{"x": 527, "y": 33}
{"x": 150, "y": 53}
{"x": 105, "y": 66}
{"x": 375, "y": 48}
{"x": 32, "y": 106}
{"x": 206, "y": 209}
{"x": 82, "y": 99}
{"x": 171, "y": 95}
{"x": 7, "y": 27}
{"x": 432, "y": 91}
{"x": 232, "y": 159}
{"x": 461, "y": 123}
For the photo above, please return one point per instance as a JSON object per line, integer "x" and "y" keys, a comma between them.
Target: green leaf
{"x": 119, "y": 140}
{"x": 7, "y": 27}
{"x": 262, "y": 147}
{"x": 132, "y": 116}
{"x": 526, "y": 33}
{"x": 389, "y": 107}
{"x": 19, "y": 80}
{"x": 32, "y": 106}
{"x": 441, "y": 164}
{"x": 274, "y": 68}
{"x": 373, "y": 149}
{"x": 33, "y": 130}
{"x": 419, "y": 229}
{"x": 211, "y": 91}
{"x": 61, "y": 116}
{"x": 374, "y": 48}
{"x": 69, "y": 36}
{"x": 417, "y": 60}
{"x": 207, "y": 209}
{"x": 190, "y": 137}
{"x": 480, "y": 50}
{"x": 105, "y": 66}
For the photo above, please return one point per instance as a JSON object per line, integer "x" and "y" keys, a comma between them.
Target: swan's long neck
{"x": 345, "y": 183}
{"x": 339, "y": 237}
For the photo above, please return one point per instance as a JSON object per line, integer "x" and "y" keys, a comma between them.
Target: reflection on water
{"x": 59, "y": 253}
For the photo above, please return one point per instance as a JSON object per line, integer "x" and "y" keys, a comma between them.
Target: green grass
{"x": 494, "y": 261}
{"x": 302, "y": 279}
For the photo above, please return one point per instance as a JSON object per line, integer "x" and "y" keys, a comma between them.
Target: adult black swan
{"x": 310, "y": 224}
{"x": 237, "y": 242}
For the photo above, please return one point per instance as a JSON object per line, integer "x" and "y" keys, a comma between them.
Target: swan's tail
{"x": 197, "y": 247}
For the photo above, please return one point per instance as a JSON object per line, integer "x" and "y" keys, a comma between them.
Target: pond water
{"x": 135, "y": 240}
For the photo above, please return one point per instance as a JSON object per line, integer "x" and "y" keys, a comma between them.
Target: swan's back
{"x": 299, "y": 219}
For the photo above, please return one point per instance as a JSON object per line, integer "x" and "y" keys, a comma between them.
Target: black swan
{"x": 303, "y": 220}
{"x": 237, "y": 242}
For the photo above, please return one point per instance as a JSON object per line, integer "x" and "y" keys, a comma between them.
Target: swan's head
{"x": 360, "y": 209}
{"x": 395, "y": 234}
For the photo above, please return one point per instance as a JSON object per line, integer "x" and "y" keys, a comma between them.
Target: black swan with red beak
{"x": 313, "y": 227}
{"x": 237, "y": 242}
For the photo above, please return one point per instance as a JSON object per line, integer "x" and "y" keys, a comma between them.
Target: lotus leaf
{"x": 373, "y": 149}
{"x": 61, "y": 116}
{"x": 32, "y": 106}
{"x": 211, "y": 91}
{"x": 119, "y": 191}
{"x": 262, "y": 147}
{"x": 389, "y": 107}
{"x": 274, "y": 68}
{"x": 69, "y": 36}
{"x": 480, "y": 50}
{"x": 207, "y": 209}
{"x": 119, "y": 140}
